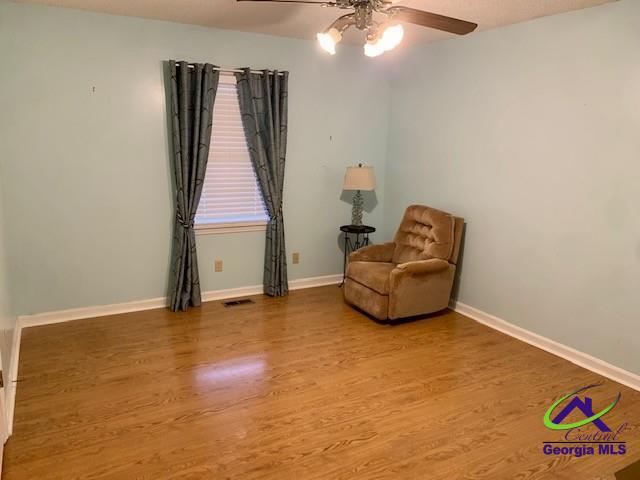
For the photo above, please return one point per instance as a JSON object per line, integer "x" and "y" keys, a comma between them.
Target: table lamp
{"x": 358, "y": 178}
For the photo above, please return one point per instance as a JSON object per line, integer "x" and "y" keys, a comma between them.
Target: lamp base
{"x": 356, "y": 211}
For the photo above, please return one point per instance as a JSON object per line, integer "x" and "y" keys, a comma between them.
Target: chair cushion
{"x": 374, "y": 275}
{"x": 424, "y": 233}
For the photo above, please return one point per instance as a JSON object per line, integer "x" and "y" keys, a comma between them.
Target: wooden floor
{"x": 297, "y": 388}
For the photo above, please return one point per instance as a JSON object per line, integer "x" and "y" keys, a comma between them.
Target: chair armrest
{"x": 373, "y": 253}
{"x": 420, "y": 287}
{"x": 421, "y": 267}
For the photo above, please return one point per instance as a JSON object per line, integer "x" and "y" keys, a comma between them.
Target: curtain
{"x": 263, "y": 105}
{"x": 193, "y": 91}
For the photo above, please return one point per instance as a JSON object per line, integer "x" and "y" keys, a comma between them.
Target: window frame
{"x": 231, "y": 227}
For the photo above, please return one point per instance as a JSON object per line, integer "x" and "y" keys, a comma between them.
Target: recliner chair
{"x": 413, "y": 275}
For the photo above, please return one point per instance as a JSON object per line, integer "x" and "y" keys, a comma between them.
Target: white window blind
{"x": 230, "y": 194}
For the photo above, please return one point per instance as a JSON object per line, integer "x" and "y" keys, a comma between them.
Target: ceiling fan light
{"x": 392, "y": 37}
{"x": 329, "y": 39}
{"x": 373, "y": 49}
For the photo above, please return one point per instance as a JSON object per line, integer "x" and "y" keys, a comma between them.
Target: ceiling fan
{"x": 381, "y": 36}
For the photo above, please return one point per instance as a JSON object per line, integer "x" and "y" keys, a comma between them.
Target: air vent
{"x": 235, "y": 303}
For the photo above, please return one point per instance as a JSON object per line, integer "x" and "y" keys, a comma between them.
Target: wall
{"x": 89, "y": 198}
{"x": 7, "y": 319}
{"x": 532, "y": 133}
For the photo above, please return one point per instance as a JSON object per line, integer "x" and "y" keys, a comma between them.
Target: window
{"x": 231, "y": 198}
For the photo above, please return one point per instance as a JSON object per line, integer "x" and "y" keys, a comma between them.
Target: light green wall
{"x": 89, "y": 196}
{"x": 5, "y": 306}
{"x": 532, "y": 133}
{"x": 7, "y": 318}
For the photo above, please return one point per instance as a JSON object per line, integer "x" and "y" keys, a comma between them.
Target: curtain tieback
{"x": 186, "y": 225}
{"x": 278, "y": 214}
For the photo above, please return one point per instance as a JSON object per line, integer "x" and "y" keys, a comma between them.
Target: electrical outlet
{"x": 217, "y": 266}
{"x": 296, "y": 257}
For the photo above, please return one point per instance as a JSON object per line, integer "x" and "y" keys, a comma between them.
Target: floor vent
{"x": 235, "y": 303}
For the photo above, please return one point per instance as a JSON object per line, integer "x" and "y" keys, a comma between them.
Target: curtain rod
{"x": 235, "y": 70}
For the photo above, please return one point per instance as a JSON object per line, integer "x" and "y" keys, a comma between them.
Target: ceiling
{"x": 304, "y": 21}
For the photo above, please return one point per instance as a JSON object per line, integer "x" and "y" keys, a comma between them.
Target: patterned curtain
{"x": 263, "y": 104}
{"x": 193, "y": 91}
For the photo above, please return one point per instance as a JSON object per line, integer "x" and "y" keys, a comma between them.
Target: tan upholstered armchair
{"x": 413, "y": 275}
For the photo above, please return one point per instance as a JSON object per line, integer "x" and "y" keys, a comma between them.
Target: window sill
{"x": 235, "y": 227}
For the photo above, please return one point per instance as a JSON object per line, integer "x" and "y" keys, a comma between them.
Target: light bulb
{"x": 373, "y": 49}
{"x": 329, "y": 39}
{"x": 392, "y": 37}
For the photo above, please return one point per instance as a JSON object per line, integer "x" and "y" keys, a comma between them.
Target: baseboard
{"x": 213, "y": 295}
{"x": 47, "y": 318}
{"x": 11, "y": 386}
{"x": 581, "y": 359}
{"x": 311, "y": 282}
{"x": 299, "y": 284}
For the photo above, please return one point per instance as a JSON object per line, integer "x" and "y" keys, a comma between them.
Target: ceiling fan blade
{"x": 310, "y": 2}
{"x": 431, "y": 20}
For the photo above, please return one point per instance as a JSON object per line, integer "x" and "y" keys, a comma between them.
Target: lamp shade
{"x": 359, "y": 178}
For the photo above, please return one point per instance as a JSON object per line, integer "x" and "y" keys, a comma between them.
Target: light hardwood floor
{"x": 300, "y": 388}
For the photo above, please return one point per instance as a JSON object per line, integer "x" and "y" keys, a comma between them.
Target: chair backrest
{"x": 426, "y": 233}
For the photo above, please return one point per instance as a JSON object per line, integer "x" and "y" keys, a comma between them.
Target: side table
{"x": 361, "y": 239}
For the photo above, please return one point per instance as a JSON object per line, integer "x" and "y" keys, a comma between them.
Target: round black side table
{"x": 361, "y": 234}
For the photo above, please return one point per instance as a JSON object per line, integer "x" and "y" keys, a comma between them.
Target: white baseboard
{"x": 213, "y": 295}
{"x": 25, "y": 321}
{"x": 311, "y": 282}
{"x": 301, "y": 283}
{"x": 59, "y": 316}
{"x": 581, "y": 359}
{"x": 11, "y": 386}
